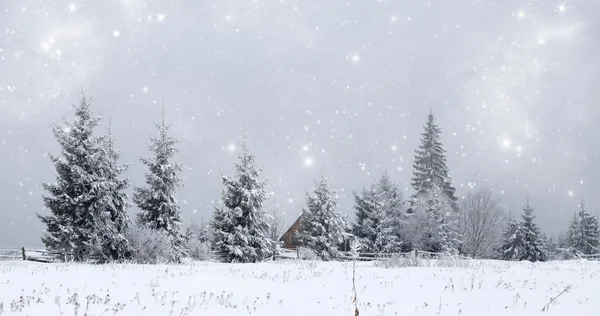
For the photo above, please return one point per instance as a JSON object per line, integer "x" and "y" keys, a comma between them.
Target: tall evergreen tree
{"x": 323, "y": 228}
{"x": 532, "y": 240}
{"x": 584, "y": 232}
{"x": 87, "y": 202}
{"x": 429, "y": 167}
{"x": 241, "y": 227}
{"x": 158, "y": 206}
{"x": 114, "y": 221}
{"x": 379, "y": 217}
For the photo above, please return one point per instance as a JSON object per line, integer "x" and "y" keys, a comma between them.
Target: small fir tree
{"x": 532, "y": 240}
{"x": 113, "y": 223}
{"x": 378, "y": 217}
{"x": 390, "y": 197}
{"x": 552, "y": 249}
{"x": 241, "y": 226}
{"x": 158, "y": 206}
{"x": 368, "y": 219}
{"x": 512, "y": 241}
{"x": 436, "y": 227}
{"x": 201, "y": 232}
{"x": 323, "y": 228}
{"x": 584, "y": 232}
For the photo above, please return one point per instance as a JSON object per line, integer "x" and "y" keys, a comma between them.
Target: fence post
{"x": 23, "y": 252}
{"x": 416, "y": 253}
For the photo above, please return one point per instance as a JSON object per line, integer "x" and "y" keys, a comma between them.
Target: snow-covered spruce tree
{"x": 158, "y": 206}
{"x": 552, "y": 248}
{"x": 584, "y": 232}
{"x": 375, "y": 224}
{"x": 111, "y": 242}
{"x": 512, "y": 241}
{"x": 429, "y": 167}
{"x": 390, "y": 196}
{"x": 197, "y": 241}
{"x": 564, "y": 251}
{"x": 241, "y": 226}
{"x": 572, "y": 240}
{"x": 86, "y": 202}
{"x": 532, "y": 239}
{"x": 591, "y": 230}
{"x": 434, "y": 222}
{"x": 200, "y": 232}
{"x": 323, "y": 228}
{"x": 368, "y": 219}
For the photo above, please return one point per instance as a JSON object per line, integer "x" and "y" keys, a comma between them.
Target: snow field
{"x": 294, "y": 288}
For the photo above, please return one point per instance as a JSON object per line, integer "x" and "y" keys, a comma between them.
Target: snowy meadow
{"x": 461, "y": 287}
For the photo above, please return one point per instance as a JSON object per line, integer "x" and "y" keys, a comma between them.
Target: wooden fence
{"x": 10, "y": 254}
{"x": 366, "y": 256}
{"x": 40, "y": 255}
{"x": 30, "y": 254}
{"x": 595, "y": 257}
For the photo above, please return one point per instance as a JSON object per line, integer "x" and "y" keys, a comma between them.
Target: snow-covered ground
{"x": 300, "y": 288}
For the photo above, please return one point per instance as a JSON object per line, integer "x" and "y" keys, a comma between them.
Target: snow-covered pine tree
{"x": 592, "y": 228}
{"x": 158, "y": 206}
{"x": 76, "y": 199}
{"x": 584, "y": 232}
{"x": 564, "y": 251}
{"x": 390, "y": 196}
{"x": 377, "y": 226}
{"x": 367, "y": 219}
{"x": 323, "y": 228}
{"x": 552, "y": 248}
{"x": 429, "y": 167}
{"x": 436, "y": 226}
{"x": 512, "y": 241}
{"x": 573, "y": 240}
{"x": 201, "y": 233}
{"x": 241, "y": 226}
{"x": 112, "y": 224}
{"x": 197, "y": 241}
{"x": 532, "y": 240}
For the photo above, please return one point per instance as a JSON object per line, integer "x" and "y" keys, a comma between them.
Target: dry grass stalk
{"x": 354, "y": 287}
{"x": 545, "y": 309}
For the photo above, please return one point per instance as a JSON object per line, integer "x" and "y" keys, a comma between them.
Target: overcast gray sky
{"x": 334, "y": 87}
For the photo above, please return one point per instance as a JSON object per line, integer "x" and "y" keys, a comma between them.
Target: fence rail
{"x": 595, "y": 257}
{"x": 369, "y": 256}
{"x": 31, "y": 254}
{"x": 41, "y": 255}
{"x": 9, "y": 254}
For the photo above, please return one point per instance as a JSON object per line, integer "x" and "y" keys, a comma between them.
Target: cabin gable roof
{"x": 293, "y": 228}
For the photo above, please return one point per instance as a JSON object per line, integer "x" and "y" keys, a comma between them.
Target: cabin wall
{"x": 289, "y": 238}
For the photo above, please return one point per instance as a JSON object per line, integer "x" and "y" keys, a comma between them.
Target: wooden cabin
{"x": 290, "y": 241}
{"x": 289, "y": 237}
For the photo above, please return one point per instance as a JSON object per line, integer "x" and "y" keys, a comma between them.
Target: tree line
{"x": 89, "y": 219}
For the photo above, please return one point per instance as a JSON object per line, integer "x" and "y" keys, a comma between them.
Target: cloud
{"x": 54, "y": 56}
